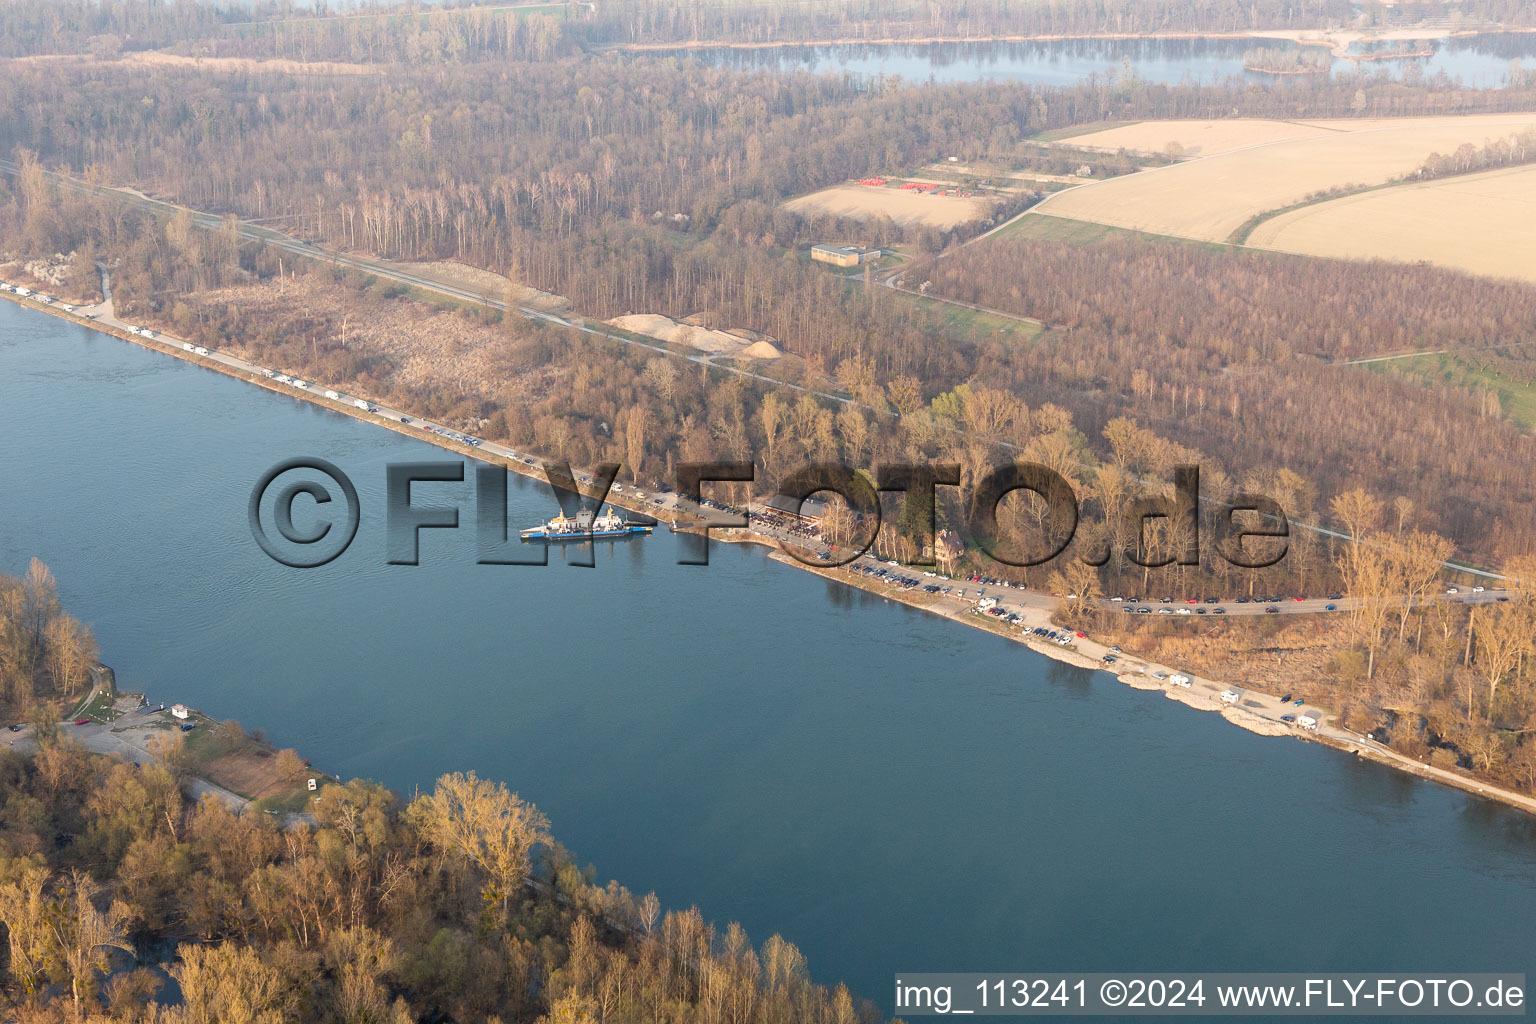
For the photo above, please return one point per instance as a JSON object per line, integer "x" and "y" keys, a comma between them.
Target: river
{"x": 889, "y": 790}
{"x": 1479, "y": 61}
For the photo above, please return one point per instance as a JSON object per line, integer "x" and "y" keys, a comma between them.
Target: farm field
{"x": 905, "y": 208}
{"x": 1046, "y": 228}
{"x": 1210, "y": 197}
{"x": 1480, "y": 223}
{"x": 1198, "y": 138}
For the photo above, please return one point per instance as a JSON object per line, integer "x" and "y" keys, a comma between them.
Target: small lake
{"x": 889, "y": 790}
{"x": 1481, "y": 61}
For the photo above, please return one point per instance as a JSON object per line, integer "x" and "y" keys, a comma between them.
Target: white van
{"x": 1179, "y": 679}
{"x": 1230, "y": 697}
{"x": 1307, "y": 720}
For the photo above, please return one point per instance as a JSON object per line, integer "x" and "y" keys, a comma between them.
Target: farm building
{"x": 843, "y": 255}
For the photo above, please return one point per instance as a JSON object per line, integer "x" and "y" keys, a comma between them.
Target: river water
{"x": 891, "y": 791}
{"x": 1481, "y": 61}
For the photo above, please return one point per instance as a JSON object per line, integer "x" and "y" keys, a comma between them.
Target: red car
{"x": 82, "y": 721}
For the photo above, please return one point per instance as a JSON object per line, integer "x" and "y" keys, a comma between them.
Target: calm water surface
{"x": 1481, "y": 61}
{"x": 890, "y": 791}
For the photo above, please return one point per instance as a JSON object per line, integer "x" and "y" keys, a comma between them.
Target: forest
{"x": 125, "y": 901}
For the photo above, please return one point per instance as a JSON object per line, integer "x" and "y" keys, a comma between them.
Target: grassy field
{"x": 1480, "y": 223}
{"x": 1045, "y": 227}
{"x": 1057, "y": 134}
{"x": 1516, "y": 398}
{"x": 964, "y": 324}
{"x": 1209, "y": 198}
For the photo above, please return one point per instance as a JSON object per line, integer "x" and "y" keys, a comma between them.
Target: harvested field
{"x": 221, "y": 65}
{"x": 246, "y": 66}
{"x": 1211, "y": 197}
{"x": 864, "y": 202}
{"x": 1199, "y": 138}
{"x": 1480, "y": 223}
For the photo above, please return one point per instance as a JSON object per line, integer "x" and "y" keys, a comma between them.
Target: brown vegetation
{"x": 46, "y": 655}
{"x": 457, "y": 907}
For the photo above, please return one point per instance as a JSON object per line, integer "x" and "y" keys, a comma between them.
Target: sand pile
{"x": 761, "y": 350}
{"x": 654, "y": 325}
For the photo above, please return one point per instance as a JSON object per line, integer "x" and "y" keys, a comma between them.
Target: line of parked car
{"x": 1064, "y": 637}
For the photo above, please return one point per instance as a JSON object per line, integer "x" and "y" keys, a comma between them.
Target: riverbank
{"x": 1256, "y": 712}
{"x": 1259, "y": 710}
{"x": 106, "y": 322}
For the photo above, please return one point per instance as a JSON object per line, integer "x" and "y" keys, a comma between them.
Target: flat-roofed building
{"x": 843, "y": 255}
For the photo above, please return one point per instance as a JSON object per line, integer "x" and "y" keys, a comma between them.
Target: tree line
{"x": 46, "y": 654}
{"x": 125, "y": 901}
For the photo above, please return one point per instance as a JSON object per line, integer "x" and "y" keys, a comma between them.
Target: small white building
{"x": 180, "y": 710}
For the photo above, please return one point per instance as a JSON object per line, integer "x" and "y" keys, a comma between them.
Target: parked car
{"x": 82, "y": 721}
{"x": 188, "y": 726}
{"x": 1288, "y": 719}
{"x": 1286, "y": 699}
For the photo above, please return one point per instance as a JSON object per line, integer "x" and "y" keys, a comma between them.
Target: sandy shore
{"x": 1084, "y": 653}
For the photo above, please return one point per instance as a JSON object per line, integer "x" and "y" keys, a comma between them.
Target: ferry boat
{"x": 584, "y": 526}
